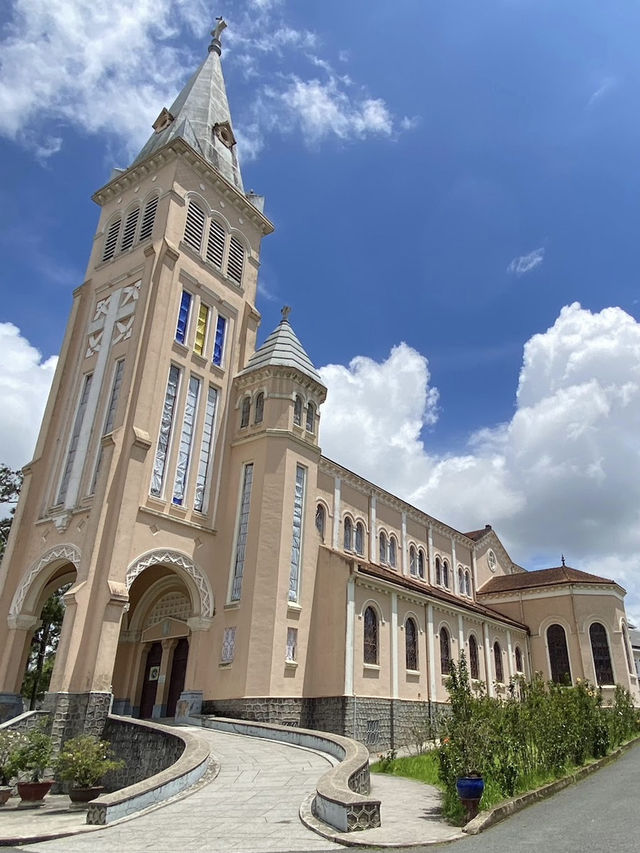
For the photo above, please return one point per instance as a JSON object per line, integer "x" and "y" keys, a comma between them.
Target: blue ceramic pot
{"x": 470, "y": 787}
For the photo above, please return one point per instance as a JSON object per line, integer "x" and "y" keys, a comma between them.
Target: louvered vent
{"x": 112, "y": 239}
{"x": 195, "y": 226}
{"x": 130, "y": 228}
{"x": 149, "y": 218}
{"x": 215, "y": 245}
{"x": 235, "y": 262}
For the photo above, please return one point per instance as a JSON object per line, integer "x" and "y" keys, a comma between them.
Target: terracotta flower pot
{"x": 5, "y": 793}
{"x": 85, "y": 795}
{"x": 33, "y": 792}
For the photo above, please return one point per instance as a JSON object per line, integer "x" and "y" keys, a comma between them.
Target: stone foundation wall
{"x": 145, "y": 749}
{"x": 76, "y": 714}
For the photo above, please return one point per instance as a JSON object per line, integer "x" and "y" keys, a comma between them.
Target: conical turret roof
{"x": 200, "y": 115}
{"x": 283, "y": 348}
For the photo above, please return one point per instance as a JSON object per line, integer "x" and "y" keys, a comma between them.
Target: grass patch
{"x": 423, "y": 767}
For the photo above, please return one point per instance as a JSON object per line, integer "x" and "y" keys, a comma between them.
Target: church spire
{"x": 200, "y": 116}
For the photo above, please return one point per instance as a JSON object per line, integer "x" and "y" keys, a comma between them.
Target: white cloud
{"x": 25, "y": 380}
{"x": 606, "y": 85}
{"x": 562, "y": 476}
{"x": 526, "y": 263}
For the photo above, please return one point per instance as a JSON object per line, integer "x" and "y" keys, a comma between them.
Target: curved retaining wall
{"x": 160, "y": 747}
{"x": 342, "y": 794}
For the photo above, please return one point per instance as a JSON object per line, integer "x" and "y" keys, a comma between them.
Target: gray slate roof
{"x": 201, "y": 104}
{"x": 282, "y": 347}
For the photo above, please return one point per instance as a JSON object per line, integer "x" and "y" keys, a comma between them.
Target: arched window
{"x": 467, "y": 583}
{"x": 111, "y": 240}
{"x": 348, "y": 534}
{"x": 370, "y": 636}
{"x": 438, "y": 571}
{"x": 130, "y": 225}
{"x": 148, "y": 217}
{"x": 413, "y": 565}
{"x": 215, "y": 244}
{"x": 320, "y": 520}
{"x": 601, "y": 656}
{"x": 625, "y": 643}
{"x": 445, "y": 652}
{"x": 393, "y": 552}
{"x": 474, "y": 667}
{"x": 383, "y": 546}
{"x": 311, "y": 417}
{"x": 519, "y": 660}
{"x": 259, "y": 408}
{"x": 558, "y": 654}
{"x": 497, "y": 659}
{"x": 411, "y": 644}
{"x": 297, "y": 411}
{"x": 421, "y": 563}
{"x": 235, "y": 260}
{"x": 445, "y": 574}
{"x": 194, "y": 226}
{"x": 246, "y": 410}
{"x": 360, "y": 538}
{"x": 460, "y": 580}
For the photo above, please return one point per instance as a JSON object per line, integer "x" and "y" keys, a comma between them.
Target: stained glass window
{"x": 292, "y": 645}
{"x": 438, "y": 571}
{"x": 218, "y": 344}
{"x": 243, "y": 529}
{"x": 201, "y": 329}
{"x": 205, "y": 449}
{"x": 445, "y": 652}
{"x": 348, "y": 534}
{"x": 558, "y": 654}
{"x": 383, "y": 546}
{"x": 601, "y": 656}
{"x": 183, "y": 317}
{"x": 460, "y": 580}
{"x": 296, "y": 543}
{"x": 411, "y": 644}
{"x": 467, "y": 583}
{"x": 474, "y": 665}
{"x": 320, "y": 520}
{"x": 311, "y": 417}
{"x": 75, "y": 437}
{"x": 413, "y": 565}
{"x": 259, "y": 408}
{"x": 246, "y": 411}
{"x": 393, "y": 552}
{"x": 497, "y": 657}
{"x": 359, "y": 538}
{"x": 297, "y": 411}
{"x": 421, "y": 563}
{"x": 186, "y": 437}
{"x": 228, "y": 645}
{"x": 370, "y": 636}
{"x": 445, "y": 574}
{"x": 166, "y": 425}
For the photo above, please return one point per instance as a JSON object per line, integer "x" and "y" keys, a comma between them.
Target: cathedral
{"x": 215, "y": 561}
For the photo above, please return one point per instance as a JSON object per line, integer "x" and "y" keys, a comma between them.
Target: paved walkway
{"x": 252, "y": 806}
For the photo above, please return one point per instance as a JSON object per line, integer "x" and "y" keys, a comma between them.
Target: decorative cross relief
{"x": 118, "y": 325}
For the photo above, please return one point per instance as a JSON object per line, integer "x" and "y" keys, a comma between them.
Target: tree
{"x": 10, "y": 483}
{"x": 43, "y": 649}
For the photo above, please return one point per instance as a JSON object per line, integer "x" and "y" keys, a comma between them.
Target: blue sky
{"x": 445, "y": 178}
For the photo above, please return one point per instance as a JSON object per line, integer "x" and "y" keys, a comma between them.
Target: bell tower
{"x": 122, "y": 499}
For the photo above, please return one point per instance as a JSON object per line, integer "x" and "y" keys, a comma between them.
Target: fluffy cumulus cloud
{"x": 25, "y": 380}
{"x": 108, "y": 66}
{"x": 562, "y": 476}
{"x": 526, "y": 263}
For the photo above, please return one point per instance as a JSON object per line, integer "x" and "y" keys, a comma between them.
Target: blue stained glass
{"x": 183, "y": 317}
{"x": 218, "y": 346}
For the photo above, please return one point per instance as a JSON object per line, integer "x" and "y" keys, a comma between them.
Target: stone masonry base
{"x": 73, "y": 714}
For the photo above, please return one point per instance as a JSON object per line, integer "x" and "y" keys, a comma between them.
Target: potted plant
{"x": 83, "y": 761}
{"x": 33, "y": 757}
{"x": 10, "y": 741}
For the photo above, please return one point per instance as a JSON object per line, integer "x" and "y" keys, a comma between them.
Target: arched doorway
{"x": 178, "y": 672}
{"x": 150, "y": 683}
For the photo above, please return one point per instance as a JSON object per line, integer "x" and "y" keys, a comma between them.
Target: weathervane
{"x": 286, "y": 310}
{"x": 216, "y": 32}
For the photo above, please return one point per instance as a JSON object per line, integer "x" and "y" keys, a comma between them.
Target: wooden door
{"x": 150, "y": 684}
{"x": 178, "y": 672}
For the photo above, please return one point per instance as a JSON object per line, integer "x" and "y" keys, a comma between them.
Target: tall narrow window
{"x": 182, "y": 325}
{"x": 201, "y": 329}
{"x": 296, "y": 541}
{"x": 460, "y": 580}
{"x": 111, "y": 240}
{"x": 413, "y": 561}
{"x": 297, "y": 411}
{"x": 205, "y": 449}
{"x": 130, "y": 225}
{"x": 411, "y": 644}
{"x": 497, "y": 659}
{"x": 348, "y": 534}
{"x": 186, "y": 438}
{"x": 215, "y": 244}
{"x": 558, "y": 654}
{"x": 421, "y": 563}
{"x": 259, "y": 408}
{"x": 166, "y": 425}
{"x": 109, "y": 417}
{"x": 243, "y": 528}
{"x": 311, "y": 417}
{"x": 370, "y": 636}
{"x": 438, "y": 571}
{"x": 625, "y": 643}
{"x": 382, "y": 547}
{"x": 218, "y": 344}
{"x": 393, "y": 552}
{"x": 445, "y": 574}
{"x": 518, "y": 660}
{"x": 320, "y": 520}
{"x": 148, "y": 217}
{"x": 467, "y": 583}
{"x": 601, "y": 656}
{"x": 245, "y": 413}
{"x": 235, "y": 260}
{"x": 445, "y": 652}
{"x": 194, "y": 226}
{"x": 359, "y": 538}
{"x": 292, "y": 645}
{"x": 75, "y": 436}
{"x": 228, "y": 645}
{"x": 474, "y": 667}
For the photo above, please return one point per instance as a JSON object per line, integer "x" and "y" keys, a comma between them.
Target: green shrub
{"x": 84, "y": 760}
